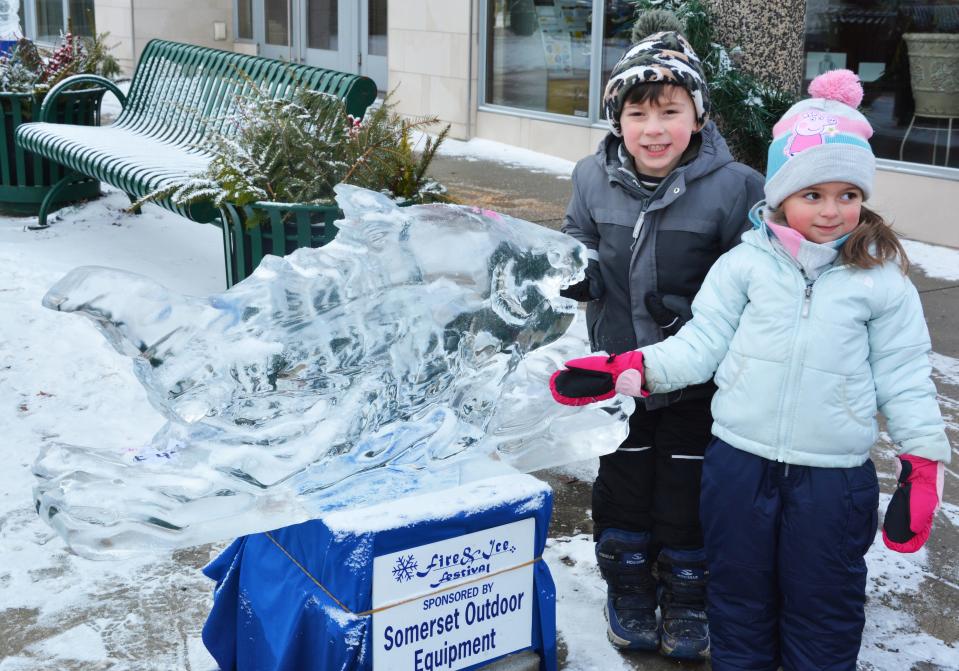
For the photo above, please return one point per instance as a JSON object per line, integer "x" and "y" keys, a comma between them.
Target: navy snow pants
{"x": 785, "y": 547}
{"x": 651, "y": 483}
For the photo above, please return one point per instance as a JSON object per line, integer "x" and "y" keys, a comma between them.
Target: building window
{"x": 907, "y": 55}
{"x": 323, "y": 32}
{"x": 538, "y": 55}
{"x": 244, "y": 19}
{"x": 376, "y": 28}
{"x": 46, "y": 20}
{"x": 50, "y": 20}
{"x": 277, "y": 22}
{"x": 618, "y": 18}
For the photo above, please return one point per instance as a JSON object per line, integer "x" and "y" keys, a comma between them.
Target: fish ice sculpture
{"x": 411, "y": 353}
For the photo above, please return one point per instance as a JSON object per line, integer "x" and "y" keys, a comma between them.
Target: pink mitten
{"x": 908, "y": 518}
{"x": 595, "y": 378}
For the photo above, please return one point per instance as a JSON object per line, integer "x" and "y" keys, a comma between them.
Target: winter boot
{"x": 684, "y": 632}
{"x": 630, "y": 589}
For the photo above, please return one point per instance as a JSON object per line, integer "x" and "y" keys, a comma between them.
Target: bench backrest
{"x": 181, "y": 92}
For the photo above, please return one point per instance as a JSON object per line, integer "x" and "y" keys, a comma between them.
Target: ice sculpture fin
{"x": 356, "y": 202}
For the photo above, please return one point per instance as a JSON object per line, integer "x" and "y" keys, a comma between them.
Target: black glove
{"x": 588, "y": 289}
{"x": 668, "y": 311}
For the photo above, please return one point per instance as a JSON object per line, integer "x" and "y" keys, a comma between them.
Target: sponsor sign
{"x": 455, "y": 603}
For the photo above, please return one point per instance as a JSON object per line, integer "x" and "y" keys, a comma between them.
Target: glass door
{"x": 325, "y": 31}
{"x": 344, "y": 35}
{"x": 276, "y": 33}
{"x": 373, "y": 42}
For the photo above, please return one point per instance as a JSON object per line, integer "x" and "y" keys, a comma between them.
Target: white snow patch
{"x": 82, "y": 643}
{"x": 92, "y": 400}
{"x": 934, "y": 260}
{"x": 466, "y": 499}
{"x": 479, "y": 149}
{"x": 584, "y": 471}
{"x": 580, "y": 597}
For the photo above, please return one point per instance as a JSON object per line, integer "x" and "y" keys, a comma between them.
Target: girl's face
{"x": 657, "y": 132}
{"x": 824, "y": 212}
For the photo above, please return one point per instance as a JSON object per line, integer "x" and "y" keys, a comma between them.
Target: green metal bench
{"x": 179, "y": 94}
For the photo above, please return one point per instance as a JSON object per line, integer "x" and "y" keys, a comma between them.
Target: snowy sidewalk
{"x": 58, "y": 611}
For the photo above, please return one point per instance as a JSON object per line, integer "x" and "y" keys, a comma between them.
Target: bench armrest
{"x": 46, "y": 109}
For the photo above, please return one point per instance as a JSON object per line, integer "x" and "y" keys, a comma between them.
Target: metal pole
{"x": 133, "y": 33}
{"x": 469, "y": 76}
{"x": 289, "y": 28}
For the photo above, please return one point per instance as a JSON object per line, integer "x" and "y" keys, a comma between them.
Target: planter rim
{"x": 39, "y": 96}
{"x": 296, "y": 207}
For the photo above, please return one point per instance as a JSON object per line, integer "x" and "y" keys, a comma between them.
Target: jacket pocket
{"x": 730, "y": 370}
{"x": 858, "y": 397}
{"x": 862, "y": 520}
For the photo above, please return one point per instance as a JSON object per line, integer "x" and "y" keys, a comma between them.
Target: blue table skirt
{"x": 297, "y": 598}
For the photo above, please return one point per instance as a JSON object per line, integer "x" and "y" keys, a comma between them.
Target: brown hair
{"x": 870, "y": 244}
{"x": 655, "y": 93}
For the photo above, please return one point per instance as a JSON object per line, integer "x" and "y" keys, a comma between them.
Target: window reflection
{"x": 50, "y": 21}
{"x": 276, "y": 22}
{"x": 617, "y": 30}
{"x": 377, "y": 28}
{"x": 244, "y": 16}
{"x": 538, "y": 55}
{"x": 323, "y": 32}
{"x": 907, "y": 55}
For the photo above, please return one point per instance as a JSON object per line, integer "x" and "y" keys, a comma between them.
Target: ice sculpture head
{"x": 338, "y": 375}
{"x": 505, "y": 267}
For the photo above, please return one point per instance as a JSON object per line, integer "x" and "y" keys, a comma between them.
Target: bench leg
{"x": 51, "y": 198}
{"x": 133, "y": 199}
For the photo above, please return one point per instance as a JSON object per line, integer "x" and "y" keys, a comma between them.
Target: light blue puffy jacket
{"x": 802, "y": 372}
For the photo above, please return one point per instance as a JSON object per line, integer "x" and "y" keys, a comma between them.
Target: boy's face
{"x": 824, "y": 212}
{"x": 657, "y": 132}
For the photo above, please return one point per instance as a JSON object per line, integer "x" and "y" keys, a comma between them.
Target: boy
{"x": 656, "y": 205}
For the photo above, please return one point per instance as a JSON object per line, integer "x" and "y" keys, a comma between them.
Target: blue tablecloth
{"x": 297, "y": 598}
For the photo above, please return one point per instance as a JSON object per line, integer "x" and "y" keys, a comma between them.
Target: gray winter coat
{"x": 665, "y": 243}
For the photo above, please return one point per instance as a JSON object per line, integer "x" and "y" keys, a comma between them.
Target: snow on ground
{"x": 60, "y": 380}
{"x": 935, "y": 261}
{"x": 479, "y": 149}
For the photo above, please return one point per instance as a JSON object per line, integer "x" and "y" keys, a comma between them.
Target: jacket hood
{"x": 712, "y": 155}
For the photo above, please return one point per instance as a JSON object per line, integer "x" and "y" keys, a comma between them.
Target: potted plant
{"x": 27, "y": 73}
{"x": 275, "y": 164}
{"x": 934, "y": 72}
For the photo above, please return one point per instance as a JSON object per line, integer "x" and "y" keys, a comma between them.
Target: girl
{"x": 811, "y": 326}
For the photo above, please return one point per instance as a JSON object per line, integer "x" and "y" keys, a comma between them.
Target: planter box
{"x": 934, "y": 69}
{"x": 25, "y": 178}
{"x": 283, "y": 229}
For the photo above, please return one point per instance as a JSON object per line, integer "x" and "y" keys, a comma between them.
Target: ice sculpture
{"x": 402, "y": 356}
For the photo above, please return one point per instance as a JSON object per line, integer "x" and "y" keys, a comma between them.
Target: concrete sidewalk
{"x": 542, "y": 198}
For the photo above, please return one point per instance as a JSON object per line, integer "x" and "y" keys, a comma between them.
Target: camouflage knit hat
{"x": 662, "y": 57}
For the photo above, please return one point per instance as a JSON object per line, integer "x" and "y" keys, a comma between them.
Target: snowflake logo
{"x": 404, "y": 568}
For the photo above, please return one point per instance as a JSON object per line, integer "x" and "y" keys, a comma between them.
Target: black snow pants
{"x": 651, "y": 483}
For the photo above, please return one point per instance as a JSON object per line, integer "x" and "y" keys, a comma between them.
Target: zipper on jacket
{"x": 638, "y": 227}
{"x": 806, "y": 301}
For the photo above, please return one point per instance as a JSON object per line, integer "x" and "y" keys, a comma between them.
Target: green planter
{"x": 284, "y": 229}
{"x": 25, "y": 178}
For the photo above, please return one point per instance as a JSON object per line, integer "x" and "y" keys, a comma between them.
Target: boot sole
{"x": 688, "y": 654}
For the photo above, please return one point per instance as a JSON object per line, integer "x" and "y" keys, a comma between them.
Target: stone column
{"x": 771, "y": 35}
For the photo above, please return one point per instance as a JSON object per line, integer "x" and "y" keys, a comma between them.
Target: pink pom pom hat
{"x": 821, "y": 139}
